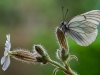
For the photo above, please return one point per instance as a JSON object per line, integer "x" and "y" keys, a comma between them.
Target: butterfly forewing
{"x": 93, "y": 16}
{"x": 77, "y": 18}
{"x": 82, "y": 26}
{"x": 92, "y": 12}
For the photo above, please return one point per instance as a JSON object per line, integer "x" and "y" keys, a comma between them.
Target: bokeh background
{"x": 32, "y": 22}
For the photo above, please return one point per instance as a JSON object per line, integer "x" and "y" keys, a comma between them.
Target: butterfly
{"x": 82, "y": 28}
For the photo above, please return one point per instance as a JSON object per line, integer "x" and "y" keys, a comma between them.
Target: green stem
{"x": 66, "y": 69}
{"x": 69, "y": 71}
{"x": 57, "y": 64}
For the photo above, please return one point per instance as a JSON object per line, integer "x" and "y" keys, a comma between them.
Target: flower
{"x": 5, "y": 60}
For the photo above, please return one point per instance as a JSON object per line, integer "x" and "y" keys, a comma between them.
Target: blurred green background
{"x": 32, "y": 22}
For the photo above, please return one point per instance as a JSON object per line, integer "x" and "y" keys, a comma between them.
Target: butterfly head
{"x": 62, "y": 24}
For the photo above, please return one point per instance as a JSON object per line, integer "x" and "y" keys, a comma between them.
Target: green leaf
{"x": 72, "y": 57}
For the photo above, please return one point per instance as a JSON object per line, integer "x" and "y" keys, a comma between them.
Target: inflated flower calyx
{"x": 61, "y": 39}
{"x": 43, "y": 54}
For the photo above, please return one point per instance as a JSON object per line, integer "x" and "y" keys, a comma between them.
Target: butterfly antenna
{"x": 66, "y": 14}
{"x": 63, "y": 12}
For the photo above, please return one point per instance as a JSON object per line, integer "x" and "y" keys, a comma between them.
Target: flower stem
{"x": 57, "y": 65}
{"x": 69, "y": 70}
{"x": 66, "y": 69}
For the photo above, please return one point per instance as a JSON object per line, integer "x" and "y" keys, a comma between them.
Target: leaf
{"x": 55, "y": 71}
{"x": 72, "y": 57}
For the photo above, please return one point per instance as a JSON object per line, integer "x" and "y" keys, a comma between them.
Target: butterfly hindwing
{"x": 83, "y": 39}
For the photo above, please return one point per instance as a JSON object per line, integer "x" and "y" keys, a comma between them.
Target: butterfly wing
{"x": 83, "y": 28}
{"x": 83, "y": 39}
{"x": 91, "y": 16}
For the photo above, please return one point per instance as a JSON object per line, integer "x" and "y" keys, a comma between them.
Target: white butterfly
{"x": 83, "y": 28}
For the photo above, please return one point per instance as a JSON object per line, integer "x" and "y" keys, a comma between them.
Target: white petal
{"x": 8, "y": 37}
{"x": 5, "y": 52}
{"x": 7, "y": 44}
{"x": 3, "y": 60}
{"x": 6, "y": 63}
{"x": 6, "y": 49}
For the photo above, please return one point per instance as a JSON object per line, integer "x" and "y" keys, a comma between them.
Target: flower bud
{"x": 61, "y": 39}
{"x": 39, "y": 49}
{"x": 42, "y": 55}
{"x": 23, "y": 55}
{"x": 62, "y": 54}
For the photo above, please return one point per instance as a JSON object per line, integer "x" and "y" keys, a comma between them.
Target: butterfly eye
{"x": 62, "y": 23}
